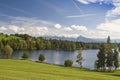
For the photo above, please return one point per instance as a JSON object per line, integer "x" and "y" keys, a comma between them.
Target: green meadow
{"x": 11, "y": 69}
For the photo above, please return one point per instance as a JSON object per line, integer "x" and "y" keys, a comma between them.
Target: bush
{"x": 68, "y": 63}
{"x": 25, "y": 55}
{"x": 41, "y": 57}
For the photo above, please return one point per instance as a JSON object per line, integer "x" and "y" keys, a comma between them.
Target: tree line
{"x": 27, "y": 42}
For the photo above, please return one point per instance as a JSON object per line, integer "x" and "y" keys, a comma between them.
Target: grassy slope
{"x": 28, "y": 70}
{"x": 8, "y": 37}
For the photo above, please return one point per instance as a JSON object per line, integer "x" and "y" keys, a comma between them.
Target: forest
{"x": 27, "y": 42}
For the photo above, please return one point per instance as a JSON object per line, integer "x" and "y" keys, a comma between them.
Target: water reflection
{"x": 58, "y": 57}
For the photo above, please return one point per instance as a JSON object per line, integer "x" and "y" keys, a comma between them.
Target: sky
{"x": 68, "y": 18}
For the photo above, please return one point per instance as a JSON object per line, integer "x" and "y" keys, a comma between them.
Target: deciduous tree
{"x": 25, "y": 55}
{"x": 41, "y": 57}
{"x": 79, "y": 58}
{"x": 8, "y": 51}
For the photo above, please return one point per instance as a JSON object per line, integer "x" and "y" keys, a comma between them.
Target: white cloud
{"x": 94, "y": 1}
{"x": 13, "y": 28}
{"x": 39, "y": 28}
{"x": 77, "y": 27}
{"x": 2, "y": 28}
{"x": 114, "y": 12}
{"x": 57, "y": 26}
{"x": 67, "y": 29}
{"x": 69, "y": 35}
{"x": 78, "y": 16}
{"x": 91, "y": 1}
{"x": 95, "y": 33}
{"x": 36, "y": 31}
{"x": 83, "y": 1}
{"x": 112, "y": 26}
{"x": 22, "y": 25}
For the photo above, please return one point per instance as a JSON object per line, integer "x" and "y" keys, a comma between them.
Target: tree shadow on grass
{"x": 117, "y": 75}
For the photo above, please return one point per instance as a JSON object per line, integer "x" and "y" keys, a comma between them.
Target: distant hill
{"x": 79, "y": 39}
{"x": 60, "y": 38}
{"x": 82, "y": 39}
{"x": 8, "y": 37}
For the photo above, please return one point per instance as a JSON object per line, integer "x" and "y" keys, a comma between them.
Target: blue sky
{"x": 69, "y": 18}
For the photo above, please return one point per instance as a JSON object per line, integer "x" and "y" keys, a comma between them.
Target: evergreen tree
{"x": 101, "y": 59}
{"x": 116, "y": 59}
{"x": 109, "y": 54}
{"x": 108, "y": 39}
{"x": 109, "y": 61}
{"x": 96, "y": 66}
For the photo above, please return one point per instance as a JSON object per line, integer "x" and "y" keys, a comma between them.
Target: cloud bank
{"x": 36, "y": 27}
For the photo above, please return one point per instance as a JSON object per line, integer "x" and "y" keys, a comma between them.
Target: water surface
{"x": 58, "y": 57}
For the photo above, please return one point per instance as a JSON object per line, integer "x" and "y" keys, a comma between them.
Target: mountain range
{"x": 82, "y": 39}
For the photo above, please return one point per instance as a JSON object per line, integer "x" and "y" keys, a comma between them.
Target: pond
{"x": 58, "y": 57}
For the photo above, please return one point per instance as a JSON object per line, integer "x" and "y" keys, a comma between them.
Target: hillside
{"x": 28, "y": 70}
{"x": 8, "y": 37}
{"x": 78, "y": 39}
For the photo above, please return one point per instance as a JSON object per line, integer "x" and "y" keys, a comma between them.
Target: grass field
{"x": 11, "y": 69}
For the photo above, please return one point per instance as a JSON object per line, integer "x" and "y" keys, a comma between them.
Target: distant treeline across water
{"x": 27, "y": 42}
